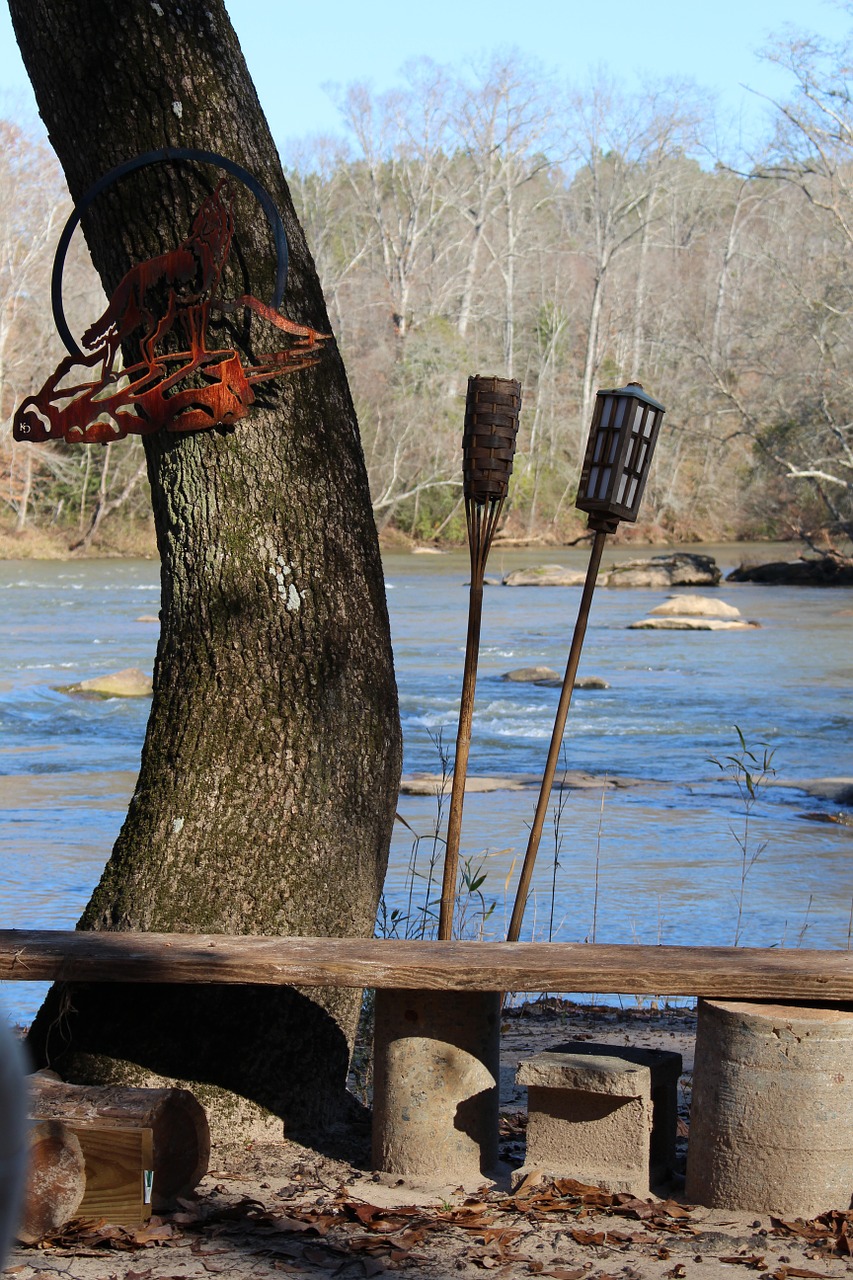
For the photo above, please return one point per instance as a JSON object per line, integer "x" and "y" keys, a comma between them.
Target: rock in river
{"x": 690, "y": 605}
{"x": 545, "y": 575}
{"x": 530, "y": 675}
{"x": 678, "y": 569}
{"x": 129, "y": 683}
{"x": 809, "y": 571}
{"x": 693, "y": 613}
{"x": 550, "y": 680}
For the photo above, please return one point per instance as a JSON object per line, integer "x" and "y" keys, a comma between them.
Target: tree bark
{"x": 270, "y": 767}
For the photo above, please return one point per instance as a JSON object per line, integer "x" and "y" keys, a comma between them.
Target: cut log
{"x": 56, "y": 1182}
{"x": 181, "y": 1138}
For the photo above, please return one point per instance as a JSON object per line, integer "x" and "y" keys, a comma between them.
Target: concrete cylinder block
{"x": 435, "y": 1087}
{"x": 771, "y": 1121}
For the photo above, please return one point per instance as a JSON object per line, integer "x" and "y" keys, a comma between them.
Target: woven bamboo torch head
{"x": 488, "y": 442}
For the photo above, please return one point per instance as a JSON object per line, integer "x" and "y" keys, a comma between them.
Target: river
{"x": 647, "y": 852}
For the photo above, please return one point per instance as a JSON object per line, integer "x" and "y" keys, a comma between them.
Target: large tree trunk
{"x": 270, "y": 767}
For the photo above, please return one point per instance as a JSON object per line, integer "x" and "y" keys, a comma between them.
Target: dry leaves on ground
{"x": 830, "y": 1233}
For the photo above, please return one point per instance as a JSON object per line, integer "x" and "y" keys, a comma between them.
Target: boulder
{"x": 531, "y": 675}
{"x": 678, "y": 569}
{"x": 585, "y": 682}
{"x": 545, "y": 575}
{"x": 815, "y": 571}
{"x": 129, "y": 683}
{"x": 688, "y": 606}
{"x": 692, "y": 624}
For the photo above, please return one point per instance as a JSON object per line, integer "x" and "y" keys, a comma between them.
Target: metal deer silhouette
{"x": 189, "y": 389}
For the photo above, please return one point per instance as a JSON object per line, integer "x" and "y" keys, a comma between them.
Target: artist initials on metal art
{"x": 193, "y": 388}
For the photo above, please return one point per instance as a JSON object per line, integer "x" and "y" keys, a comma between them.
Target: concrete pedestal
{"x": 602, "y": 1114}
{"x": 435, "y": 1090}
{"x": 771, "y": 1122}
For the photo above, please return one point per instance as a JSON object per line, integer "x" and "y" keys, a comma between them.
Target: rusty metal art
{"x": 191, "y": 389}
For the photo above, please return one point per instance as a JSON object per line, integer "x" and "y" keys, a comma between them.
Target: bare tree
{"x": 400, "y": 180}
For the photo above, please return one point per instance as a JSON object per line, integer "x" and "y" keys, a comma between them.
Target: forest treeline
{"x": 492, "y": 221}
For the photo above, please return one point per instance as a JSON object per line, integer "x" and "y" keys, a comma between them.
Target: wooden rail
{"x": 722, "y": 972}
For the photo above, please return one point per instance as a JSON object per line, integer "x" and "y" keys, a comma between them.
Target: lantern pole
{"x": 558, "y": 731}
{"x": 488, "y": 444}
{"x": 619, "y": 451}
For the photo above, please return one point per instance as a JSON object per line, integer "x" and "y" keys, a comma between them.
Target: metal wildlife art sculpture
{"x": 190, "y": 389}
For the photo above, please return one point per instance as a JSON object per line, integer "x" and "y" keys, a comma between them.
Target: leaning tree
{"x": 271, "y": 761}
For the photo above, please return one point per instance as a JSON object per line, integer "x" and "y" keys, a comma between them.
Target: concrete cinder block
{"x": 771, "y": 1121}
{"x": 601, "y": 1114}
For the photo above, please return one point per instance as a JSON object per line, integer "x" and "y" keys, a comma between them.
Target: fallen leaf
{"x": 803, "y": 1273}
{"x": 534, "y": 1179}
{"x": 673, "y": 1209}
{"x": 588, "y": 1237}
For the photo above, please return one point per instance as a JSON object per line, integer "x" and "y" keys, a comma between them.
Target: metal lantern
{"x": 622, "y": 438}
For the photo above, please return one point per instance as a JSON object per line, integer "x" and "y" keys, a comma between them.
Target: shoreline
{"x": 137, "y": 541}
{"x": 836, "y": 790}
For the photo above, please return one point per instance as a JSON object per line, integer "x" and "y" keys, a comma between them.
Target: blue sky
{"x": 294, "y": 49}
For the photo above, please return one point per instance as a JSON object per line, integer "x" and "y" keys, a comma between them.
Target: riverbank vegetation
{"x": 488, "y": 219}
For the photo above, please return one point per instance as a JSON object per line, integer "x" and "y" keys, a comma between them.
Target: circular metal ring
{"x": 140, "y": 162}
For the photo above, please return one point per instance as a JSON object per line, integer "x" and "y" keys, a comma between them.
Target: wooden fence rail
{"x": 715, "y": 972}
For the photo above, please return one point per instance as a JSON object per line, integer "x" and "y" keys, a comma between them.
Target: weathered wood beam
{"x": 727, "y": 972}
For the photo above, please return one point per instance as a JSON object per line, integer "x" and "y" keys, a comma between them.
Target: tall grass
{"x": 749, "y": 769}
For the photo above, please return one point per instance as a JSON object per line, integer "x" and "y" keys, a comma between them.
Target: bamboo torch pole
{"x": 556, "y": 736}
{"x": 488, "y": 445}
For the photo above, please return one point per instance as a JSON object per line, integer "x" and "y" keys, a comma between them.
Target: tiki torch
{"x": 488, "y": 445}
{"x": 624, "y": 431}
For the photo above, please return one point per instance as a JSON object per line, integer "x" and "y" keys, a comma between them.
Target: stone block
{"x": 435, "y": 1088}
{"x": 602, "y": 1114}
{"x": 771, "y": 1121}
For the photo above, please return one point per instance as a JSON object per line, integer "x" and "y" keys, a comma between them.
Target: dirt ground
{"x": 285, "y": 1210}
